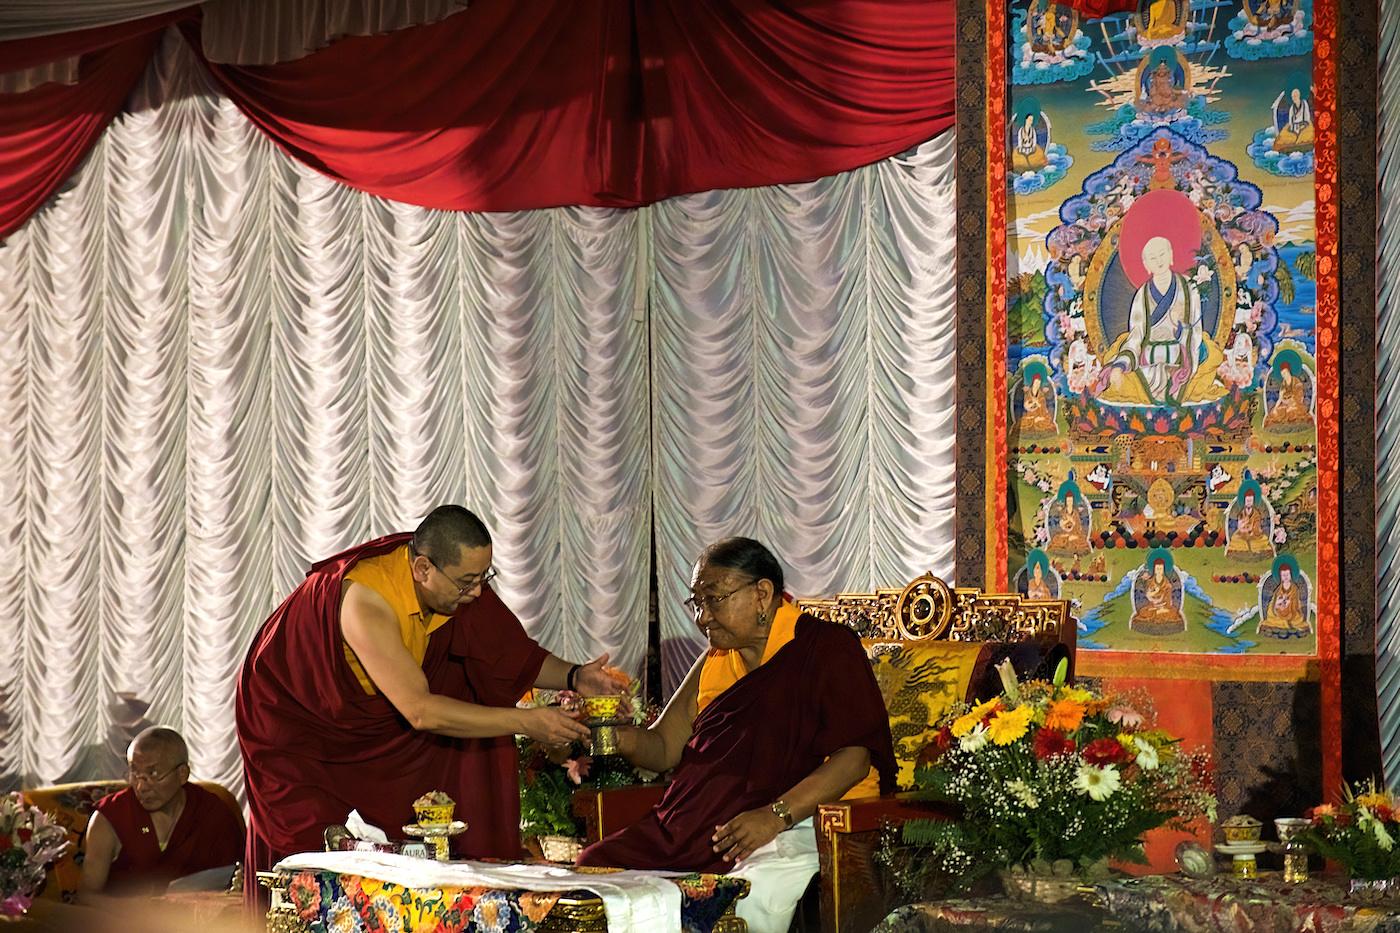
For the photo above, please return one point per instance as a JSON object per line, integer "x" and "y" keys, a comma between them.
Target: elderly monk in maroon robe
{"x": 161, "y": 827}
{"x": 780, "y": 715}
{"x": 393, "y": 670}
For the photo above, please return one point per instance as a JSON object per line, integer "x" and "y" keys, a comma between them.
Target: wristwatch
{"x": 781, "y": 811}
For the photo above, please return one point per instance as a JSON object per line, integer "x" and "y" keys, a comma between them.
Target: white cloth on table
{"x": 778, "y": 874}
{"x": 633, "y": 900}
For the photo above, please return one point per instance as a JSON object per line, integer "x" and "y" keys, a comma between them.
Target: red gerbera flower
{"x": 1051, "y": 743}
{"x": 1102, "y": 752}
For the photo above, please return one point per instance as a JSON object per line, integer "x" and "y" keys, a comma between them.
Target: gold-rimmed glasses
{"x": 698, "y": 603}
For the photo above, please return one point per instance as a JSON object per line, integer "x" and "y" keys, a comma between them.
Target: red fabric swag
{"x": 616, "y": 103}
{"x": 507, "y": 105}
{"x": 47, "y": 131}
{"x": 1095, "y": 9}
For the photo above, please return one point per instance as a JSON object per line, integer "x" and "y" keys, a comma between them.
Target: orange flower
{"x": 619, "y": 677}
{"x": 1064, "y": 715}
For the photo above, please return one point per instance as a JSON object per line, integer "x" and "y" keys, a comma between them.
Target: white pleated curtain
{"x": 803, "y": 380}
{"x": 217, "y": 367}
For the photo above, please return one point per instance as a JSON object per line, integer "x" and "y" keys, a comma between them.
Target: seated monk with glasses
{"x": 781, "y": 714}
{"x": 160, "y": 828}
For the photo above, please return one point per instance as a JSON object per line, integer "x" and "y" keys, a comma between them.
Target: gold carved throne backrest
{"x": 927, "y": 609}
{"x": 907, "y": 634}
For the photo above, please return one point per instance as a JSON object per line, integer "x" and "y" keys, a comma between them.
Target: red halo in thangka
{"x": 1163, "y": 213}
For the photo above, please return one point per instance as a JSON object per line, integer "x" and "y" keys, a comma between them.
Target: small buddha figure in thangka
{"x": 1252, "y": 525}
{"x": 1291, "y": 408}
{"x": 1157, "y": 608}
{"x": 1285, "y": 610}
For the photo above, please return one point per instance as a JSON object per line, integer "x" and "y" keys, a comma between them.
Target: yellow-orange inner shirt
{"x": 391, "y": 577}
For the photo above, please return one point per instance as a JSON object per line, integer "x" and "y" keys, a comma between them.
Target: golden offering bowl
{"x": 601, "y": 709}
{"x": 434, "y": 814}
{"x": 1241, "y": 829}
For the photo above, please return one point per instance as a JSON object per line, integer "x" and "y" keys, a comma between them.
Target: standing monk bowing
{"x": 393, "y": 670}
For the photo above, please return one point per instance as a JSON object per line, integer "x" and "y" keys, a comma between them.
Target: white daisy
{"x": 1098, "y": 783}
{"x": 1147, "y": 754}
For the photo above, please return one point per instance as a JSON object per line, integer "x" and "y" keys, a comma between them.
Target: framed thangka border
{"x": 1162, "y": 330}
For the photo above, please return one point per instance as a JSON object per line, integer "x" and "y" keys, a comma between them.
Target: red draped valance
{"x": 1094, "y": 9}
{"x": 513, "y": 105}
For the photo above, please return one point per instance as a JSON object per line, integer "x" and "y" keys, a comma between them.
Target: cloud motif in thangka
{"x": 1253, "y": 41}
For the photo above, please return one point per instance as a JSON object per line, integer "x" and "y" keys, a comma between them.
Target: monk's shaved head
{"x": 446, "y": 531}
{"x": 161, "y": 741}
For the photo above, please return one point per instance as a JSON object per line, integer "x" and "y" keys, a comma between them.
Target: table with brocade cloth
{"x": 999, "y": 914}
{"x": 1262, "y": 905}
{"x": 333, "y": 891}
{"x": 1165, "y": 904}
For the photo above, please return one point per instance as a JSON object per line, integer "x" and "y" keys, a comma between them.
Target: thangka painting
{"x": 1166, "y": 371}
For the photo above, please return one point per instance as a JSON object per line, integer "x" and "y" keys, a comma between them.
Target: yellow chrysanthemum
{"x": 1374, "y": 799}
{"x": 1064, "y": 715}
{"x": 965, "y": 723}
{"x": 1009, "y": 725}
{"x": 1077, "y": 694}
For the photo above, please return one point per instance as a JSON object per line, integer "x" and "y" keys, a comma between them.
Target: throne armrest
{"x": 855, "y": 895}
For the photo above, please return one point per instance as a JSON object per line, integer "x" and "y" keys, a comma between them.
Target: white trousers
{"x": 778, "y": 875}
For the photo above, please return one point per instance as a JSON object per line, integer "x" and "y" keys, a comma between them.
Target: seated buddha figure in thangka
{"x": 1050, "y": 26}
{"x": 1165, "y": 351}
{"x": 1037, "y": 401}
{"x": 1293, "y": 120}
{"x": 1284, "y": 607}
{"x": 1288, "y": 395}
{"x": 1067, "y": 519}
{"x": 1038, "y": 579}
{"x": 1250, "y": 522}
{"x": 1163, "y": 83}
{"x": 1162, "y": 21}
{"x": 1158, "y": 595}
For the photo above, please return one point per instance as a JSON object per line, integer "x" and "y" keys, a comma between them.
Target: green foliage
{"x": 1285, "y": 282}
{"x": 1306, "y": 264}
{"x": 546, "y": 799}
{"x": 1025, "y": 318}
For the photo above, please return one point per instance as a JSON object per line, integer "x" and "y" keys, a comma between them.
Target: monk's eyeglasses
{"x": 465, "y": 588}
{"x": 698, "y": 604}
{"x": 151, "y": 777}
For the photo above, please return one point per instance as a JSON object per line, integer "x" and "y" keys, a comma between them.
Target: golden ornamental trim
{"x": 833, "y": 818}
{"x": 927, "y": 609}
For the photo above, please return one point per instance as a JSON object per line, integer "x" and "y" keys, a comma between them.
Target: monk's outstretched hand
{"x": 746, "y": 834}
{"x": 597, "y": 679}
{"x": 549, "y": 726}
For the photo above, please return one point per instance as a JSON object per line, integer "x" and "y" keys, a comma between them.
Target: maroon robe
{"x": 207, "y": 835}
{"x": 754, "y": 742}
{"x": 315, "y": 745}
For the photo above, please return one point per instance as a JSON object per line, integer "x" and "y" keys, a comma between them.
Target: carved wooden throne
{"x": 1034, "y": 634}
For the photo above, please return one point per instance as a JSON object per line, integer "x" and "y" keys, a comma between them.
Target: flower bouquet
{"x": 1360, "y": 834}
{"x": 549, "y": 775}
{"x": 29, "y": 843}
{"x": 1052, "y": 781}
